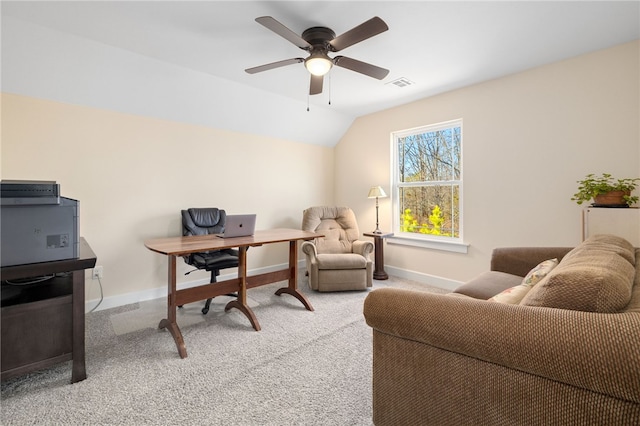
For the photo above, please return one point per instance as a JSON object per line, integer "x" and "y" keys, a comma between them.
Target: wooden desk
{"x": 181, "y": 246}
{"x": 43, "y": 324}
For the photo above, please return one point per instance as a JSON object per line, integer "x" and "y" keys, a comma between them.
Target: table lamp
{"x": 376, "y": 192}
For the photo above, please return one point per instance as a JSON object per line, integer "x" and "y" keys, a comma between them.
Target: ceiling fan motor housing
{"x": 319, "y": 37}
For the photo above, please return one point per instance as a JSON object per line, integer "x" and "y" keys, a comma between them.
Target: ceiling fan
{"x": 319, "y": 41}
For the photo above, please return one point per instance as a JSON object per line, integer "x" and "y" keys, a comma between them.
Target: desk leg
{"x": 292, "y": 289}
{"x": 170, "y": 322}
{"x": 241, "y": 302}
{"x": 78, "y": 369}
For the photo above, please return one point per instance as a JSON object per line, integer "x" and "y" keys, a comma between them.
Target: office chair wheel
{"x": 207, "y": 304}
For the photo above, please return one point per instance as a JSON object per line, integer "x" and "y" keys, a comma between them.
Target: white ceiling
{"x": 439, "y": 46}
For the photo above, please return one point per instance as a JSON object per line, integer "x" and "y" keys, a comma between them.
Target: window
{"x": 427, "y": 183}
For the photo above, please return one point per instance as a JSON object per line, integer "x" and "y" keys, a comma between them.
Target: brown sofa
{"x": 567, "y": 354}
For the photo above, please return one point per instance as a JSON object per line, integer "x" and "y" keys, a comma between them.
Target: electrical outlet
{"x": 97, "y": 273}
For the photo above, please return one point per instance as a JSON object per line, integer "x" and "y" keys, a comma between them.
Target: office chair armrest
{"x": 188, "y": 259}
{"x": 363, "y": 248}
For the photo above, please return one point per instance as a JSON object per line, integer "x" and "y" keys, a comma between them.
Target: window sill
{"x": 452, "y": 246}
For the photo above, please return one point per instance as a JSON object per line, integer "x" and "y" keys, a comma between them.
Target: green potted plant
{"x": 606, "y": 191}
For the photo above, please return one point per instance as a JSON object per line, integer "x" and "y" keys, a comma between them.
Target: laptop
{"x": 239, "y": 225}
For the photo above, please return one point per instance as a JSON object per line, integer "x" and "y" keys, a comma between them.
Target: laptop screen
{"x": 239, "y": 225}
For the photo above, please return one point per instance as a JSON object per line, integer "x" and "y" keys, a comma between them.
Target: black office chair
{"x": 204, "y": 221}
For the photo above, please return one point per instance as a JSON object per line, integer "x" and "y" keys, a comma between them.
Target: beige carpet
{"x": 302, "y": 368}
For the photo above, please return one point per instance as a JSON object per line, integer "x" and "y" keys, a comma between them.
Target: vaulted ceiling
{"x": 437, "y": 46}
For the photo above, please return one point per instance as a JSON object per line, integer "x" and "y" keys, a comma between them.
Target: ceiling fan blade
{"x": 361, "y": 67}
{"x": 370, "y": 28}
{"x": 275, "y": 26}
{"x": 273, "y": 65}
{"x": 315, "y": 88}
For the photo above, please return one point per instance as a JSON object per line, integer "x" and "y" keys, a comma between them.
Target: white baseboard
{"x": 432, "y": 280}
{"x": 159, "y": 292}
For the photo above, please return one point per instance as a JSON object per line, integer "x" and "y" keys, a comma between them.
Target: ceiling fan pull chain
{"x": 329, "y": 88}
{"x": 307, "y": 102}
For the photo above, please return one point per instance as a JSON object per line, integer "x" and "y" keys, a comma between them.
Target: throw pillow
{"x": 515, "y": 294}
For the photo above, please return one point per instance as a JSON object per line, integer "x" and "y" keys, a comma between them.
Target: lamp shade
{"x": 376, "y": 191}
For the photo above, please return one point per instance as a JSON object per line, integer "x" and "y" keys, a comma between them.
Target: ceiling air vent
{"x": 401, "y": 82}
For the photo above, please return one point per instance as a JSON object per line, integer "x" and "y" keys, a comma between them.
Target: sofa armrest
{"x": 598, "y": 352}
{"x": 520, "y": 260}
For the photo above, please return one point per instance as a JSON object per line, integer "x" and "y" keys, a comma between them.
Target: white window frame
{"x": 454, "y": 244}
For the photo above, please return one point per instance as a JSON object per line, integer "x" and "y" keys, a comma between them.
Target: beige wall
{"x": 134, "y": 174}
{"x": 527, "y": 138}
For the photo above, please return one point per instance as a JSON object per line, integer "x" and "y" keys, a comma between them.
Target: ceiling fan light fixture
{"x": 318, "y": 64}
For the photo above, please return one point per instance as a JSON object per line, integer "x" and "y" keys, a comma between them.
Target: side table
{"x": 378, "y": 244}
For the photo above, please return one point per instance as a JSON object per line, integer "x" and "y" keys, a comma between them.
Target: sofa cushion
{"x": 596, "y": 277}
{"x": 488, "y": 284}
{"x": 515, "y": 294}
{"x": 606, "y": 242}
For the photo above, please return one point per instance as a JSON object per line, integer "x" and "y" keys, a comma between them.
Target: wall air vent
{"x": 401, "y": 82}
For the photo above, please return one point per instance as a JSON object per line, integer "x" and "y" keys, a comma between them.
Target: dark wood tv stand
{"x": 43, "y": 323}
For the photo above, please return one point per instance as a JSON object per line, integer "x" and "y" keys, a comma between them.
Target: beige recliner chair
{"x": 339, "y": 261}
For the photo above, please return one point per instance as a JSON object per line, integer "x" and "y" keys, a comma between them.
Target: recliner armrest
{"x": 309, "y": 249}
{"x": 363, "y": 248}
